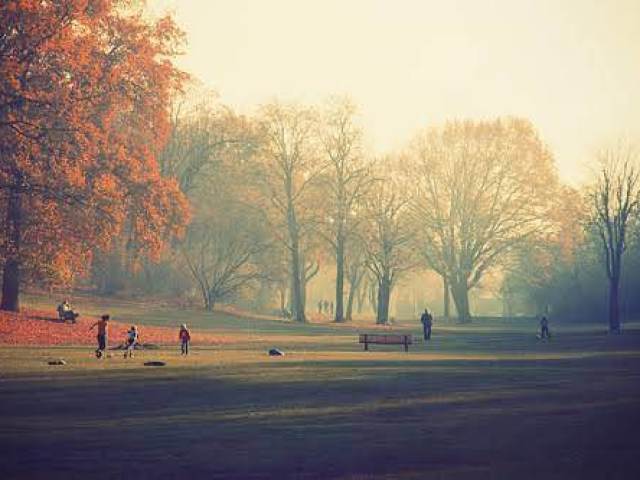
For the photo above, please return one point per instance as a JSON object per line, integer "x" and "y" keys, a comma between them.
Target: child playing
{"x": 103, "y": 331}
{"x": 184, "y": 337}
{"x": 132, "y": 339}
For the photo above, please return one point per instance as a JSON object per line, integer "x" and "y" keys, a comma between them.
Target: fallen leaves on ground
{"x": 36, "y": 327}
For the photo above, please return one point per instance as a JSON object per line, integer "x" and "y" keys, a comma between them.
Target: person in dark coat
{"x": 544, "y": 328}
{"x": 427, "y": 321}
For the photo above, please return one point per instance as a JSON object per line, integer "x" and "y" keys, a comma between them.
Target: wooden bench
{"x": 386, "y": 339}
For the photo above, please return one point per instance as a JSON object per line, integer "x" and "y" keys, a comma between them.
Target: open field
{"x": 478, "y": 402}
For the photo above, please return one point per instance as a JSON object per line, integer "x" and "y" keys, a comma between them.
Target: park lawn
{"x": 478, "y": 402}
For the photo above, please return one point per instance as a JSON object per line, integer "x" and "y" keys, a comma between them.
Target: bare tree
{"x": 614, "y": 200}
{"x": 347, "y": 180}
{"x": 290, "y": 168}
{"x": 221, "y": 251}
{"x": 202, "y": 136}
{"x": 480, "y": 189}
{"x": 388, "y": 242}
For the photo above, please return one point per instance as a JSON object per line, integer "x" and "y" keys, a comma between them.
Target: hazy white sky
{"x": 571, "y": 66}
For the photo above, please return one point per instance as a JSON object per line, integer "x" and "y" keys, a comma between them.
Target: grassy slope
{"x": 478, "y": 402}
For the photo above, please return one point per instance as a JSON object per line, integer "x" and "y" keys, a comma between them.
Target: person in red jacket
{"x": 185, "y": 338}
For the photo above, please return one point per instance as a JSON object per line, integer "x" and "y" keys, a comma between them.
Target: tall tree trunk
{"x": 283, "y": 301}
{"x": 339, "y": 311}
{"x": 384, "y": 293}
{"x": 460, "y": 293}
{"x": 614, "y": 301}
{"x": 297, "y": 306}
{"x": 361, "y": 297}
{"x": 210, "y": 302}
{"x": 446, "y": 299}
{"x": 373, "y": 297}
{"x": 11, "y": 273}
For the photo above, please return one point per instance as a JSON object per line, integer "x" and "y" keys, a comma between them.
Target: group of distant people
{"x": 326, "y": 307}
{"x": 427, "y": 324}
{"x": 132, "y": 339}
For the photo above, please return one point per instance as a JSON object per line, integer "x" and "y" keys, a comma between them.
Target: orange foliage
{"x": 41, "y": 328}
{"x": 84, "y": 96}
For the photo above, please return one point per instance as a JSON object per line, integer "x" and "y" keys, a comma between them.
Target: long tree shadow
{"x": 322, "y": 419}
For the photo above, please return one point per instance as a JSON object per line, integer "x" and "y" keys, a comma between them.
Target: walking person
{"x": 103, "y": 332}
{"x": 185, "y": 338}
{"x": 427, "y": 322}
{"x": 544, "y": 328}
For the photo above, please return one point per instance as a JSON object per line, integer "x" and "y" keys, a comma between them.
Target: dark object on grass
{"x": 274, "y": 352}
{"x": 58, "y": 361}
{"x": 154, "y": 363}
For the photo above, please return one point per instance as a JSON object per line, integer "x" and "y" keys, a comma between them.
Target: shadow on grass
{"x": 330, "y": 419}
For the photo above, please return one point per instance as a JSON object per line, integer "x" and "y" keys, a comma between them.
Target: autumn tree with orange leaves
{"x": 84, "y": 97}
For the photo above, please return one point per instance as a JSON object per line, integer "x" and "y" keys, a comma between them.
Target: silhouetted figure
{"x": 320, "y": 307}
{"x": 185, "y": 338}
{"x": 331, "y": 309}
{"x": 427, "y": 322}
{"x": 544, "y": 328}
{"x": 103, "y": 333}
{"x": 326, "y": 306}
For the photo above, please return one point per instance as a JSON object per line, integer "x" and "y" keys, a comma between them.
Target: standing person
{"x": 326, "y": 306}
{"x": 544, "y": 328}
{"x": 320, "y": 307}
{"x": 103, "y": 332}
{"x": 185, "y": 338}
{"x": 130, "y": 343}
{"x": 427, "y": 321}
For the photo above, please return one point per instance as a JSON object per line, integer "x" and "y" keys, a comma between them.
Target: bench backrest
{"x": 387, "y": 339}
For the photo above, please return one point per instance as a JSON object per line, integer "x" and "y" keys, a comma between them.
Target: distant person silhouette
{"x": 544, "y": 328}
{"x": 427, "y": 322}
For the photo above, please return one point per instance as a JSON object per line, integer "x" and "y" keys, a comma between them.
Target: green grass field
{"x": 484, "y": 401}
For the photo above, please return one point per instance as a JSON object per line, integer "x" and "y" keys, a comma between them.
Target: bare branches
{"x": 481, "y": 188}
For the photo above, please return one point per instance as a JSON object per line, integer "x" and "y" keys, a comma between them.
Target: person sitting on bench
{"x": 65, "y": 312}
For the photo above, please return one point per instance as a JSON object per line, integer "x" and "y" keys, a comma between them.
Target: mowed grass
{"x": 485, "y": 401}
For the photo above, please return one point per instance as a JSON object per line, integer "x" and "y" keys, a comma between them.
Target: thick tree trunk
{"x": 297, "y": 304}
{"x": 384, "y": 294}
{"x": 349, "y": 311}
{"x": 11, "y": 273}
{"x": 460, "y": 293}
{"x": 339, "y": 311}
{"x": 614, "y": 303}
{"x": 446, "y": 299}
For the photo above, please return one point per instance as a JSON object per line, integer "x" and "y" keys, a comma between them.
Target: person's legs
{"x": 186, "y": 347}
{"x": 102, "y": 345}
{"x": 428, "y": 332}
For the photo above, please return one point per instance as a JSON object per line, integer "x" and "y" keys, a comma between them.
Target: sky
{"x": 572, "y": 67}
